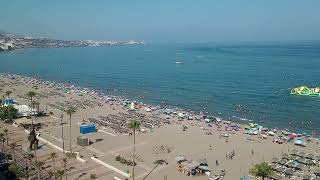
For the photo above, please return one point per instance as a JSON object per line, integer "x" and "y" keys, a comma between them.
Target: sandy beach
{"x": 161, "y": 137}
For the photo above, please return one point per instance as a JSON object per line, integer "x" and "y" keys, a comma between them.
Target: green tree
{"x": 31, "y": 94}
{"x": 59, "y": 174}
{"x": 261, "y": 170}
{"x": 134, "y": 125}
{"x": 70, "y": 111}
{"x": 8, "y": 113}
{"x": 15, "y": 169}
{"x": 37, "y": 104}
{"x": 8, "y": 93}
{"x": 6, "y": 133}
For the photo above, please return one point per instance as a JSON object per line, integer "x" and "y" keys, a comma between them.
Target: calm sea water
{"x": 245, "y": 80}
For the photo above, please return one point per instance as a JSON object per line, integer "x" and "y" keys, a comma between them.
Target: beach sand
{"x": 193, "y": 143}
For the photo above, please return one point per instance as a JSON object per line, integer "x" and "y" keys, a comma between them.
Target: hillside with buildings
{"x": 10, "y": 41}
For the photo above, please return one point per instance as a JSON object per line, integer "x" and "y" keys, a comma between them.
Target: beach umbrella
{"x": 274, "y": 160}
{"x": 288, "y": 172}
{"x": 271, "y": 133}
{"x": 317, "y": 158}
{"x": 274, "y": 166}
{"x": 180, "y": 158}
{"x": 294, "y": 151}
{"x": 309, "y": 162}
{"x": 204, "y": 168}
{"x": 290, "y": 164}
{"x": 280, "y": 169}
{"x": 282, "y": 161}
{"x": 317, "y": 172}
{"x": 301, "y": 160}
{"x": 302, "y": 154}
{"x": 285, "y": 156}
{"x": 306, "y": 177}
{"x": 310, "y": 156}
{"x": 299, "y": 166}
{"x": 202, "y": 161}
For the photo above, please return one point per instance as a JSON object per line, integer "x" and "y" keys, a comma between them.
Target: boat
{"x": 306, "y": 91}
{"x": 178, "y": 62}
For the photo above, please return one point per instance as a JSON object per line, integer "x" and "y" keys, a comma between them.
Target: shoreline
{"x": 157, "y": 138}
{"x": 101, "y": 95}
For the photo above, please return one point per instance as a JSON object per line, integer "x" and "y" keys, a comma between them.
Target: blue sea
{"x": 240, "y": 81}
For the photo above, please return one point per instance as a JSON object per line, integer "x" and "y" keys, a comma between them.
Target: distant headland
{"x": 11, "y": 41}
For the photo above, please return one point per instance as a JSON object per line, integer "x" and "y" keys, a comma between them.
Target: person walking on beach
{"x": 217, "y": 163}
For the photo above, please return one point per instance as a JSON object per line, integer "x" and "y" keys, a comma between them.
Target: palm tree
{"x": 26, "y": 174}
{"x": 261, "y": 170}
{"x": 70, "y": 111}
{"x": 59, "y": 174}
{"x": 8, "y": 93}
{"x": 33, "y": 105}
{"x": 31, "y": 94}
{"x": 6, "y": 133}
{"x": 93, "y": 176}
{"x": 65, "y": 160}
{"x": 53, "y": 157}
{"x": 37, "y": 104}
{"x": 15, "y": 169}
{"x": 13, "y": 147}
{"x": 2, "y": 141}
{"x": 134, "y": 125}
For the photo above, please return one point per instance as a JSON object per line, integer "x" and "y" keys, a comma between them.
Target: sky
{"x": 164, "y": 20}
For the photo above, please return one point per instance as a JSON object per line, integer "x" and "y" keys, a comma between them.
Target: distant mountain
{"x": 8, "y": 34}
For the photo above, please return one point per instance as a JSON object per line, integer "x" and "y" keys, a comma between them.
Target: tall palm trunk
{"x": 70, "y": 132}
{"x": 65, "y": 170}
{"x": 14, "y": 155}
{"x": 134, "y": 151}
{"x": 31, "y": 111}
{"x": 7, "y": 138}
{"x": 54, "y": 165}
{"x": 35, "y": 150}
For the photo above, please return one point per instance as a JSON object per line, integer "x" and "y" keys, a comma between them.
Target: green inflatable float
{"x": 306, "y": 91}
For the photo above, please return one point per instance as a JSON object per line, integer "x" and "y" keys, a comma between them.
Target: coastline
{"x": 194, "y": 139}
{"x": 98, "y": 93}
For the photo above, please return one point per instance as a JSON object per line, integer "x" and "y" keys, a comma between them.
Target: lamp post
{"x": 61, "y": 118}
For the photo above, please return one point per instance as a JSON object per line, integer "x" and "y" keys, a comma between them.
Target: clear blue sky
{"x": 164, "y": 20}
